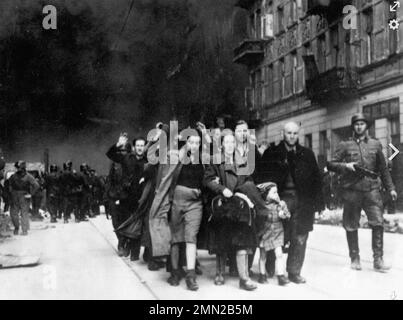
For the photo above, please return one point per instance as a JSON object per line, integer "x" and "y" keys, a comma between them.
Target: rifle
{"x": 363, "y": 172}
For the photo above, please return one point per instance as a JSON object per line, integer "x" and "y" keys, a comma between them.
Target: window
{"x": 252, "y": 30}
{"x": 323, "y": 143}
{"x": 267, "y": 25}
{"x": 384, "y": 109}
{"x": 281, "y": 67}
{"x": 268, "y": 85}
{"x": 368, "y": 26}
{"x": 258, "y": 89}
{"x": 388, "y": 109}
{"x": 258, "y": 24}
{"x": 392, "y": 35}
{"x": 395, "y": 130}
{"x": 294, "y": 11}
{"x": 300, "y": 71}
{"x": 322, "y": 53}
{"x": 280, "y": 19}
{"x": 276, "y": 82}
{"x": 294, "y": 60}
{"x": 308, "y": 141}
{"x": 334, "y": 38}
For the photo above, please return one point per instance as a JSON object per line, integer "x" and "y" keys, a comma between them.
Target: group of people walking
{"x": 201, "y": 199}
{"x": 61, "y": 193}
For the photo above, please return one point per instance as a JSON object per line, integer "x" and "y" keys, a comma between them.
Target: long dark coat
{"x": 274, "y": 167}
{"x": 225, "y": 235}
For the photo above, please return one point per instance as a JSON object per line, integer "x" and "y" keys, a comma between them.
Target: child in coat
{"x": 271, "y": 235}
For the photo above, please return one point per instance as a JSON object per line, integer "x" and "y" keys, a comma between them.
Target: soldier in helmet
{"x": 67, "y": 182}
{"x": 363, "y": 167}
{"x": 84, "y": 196}
{"x": 22, "y": 186}
{"x": 52, "y": 185}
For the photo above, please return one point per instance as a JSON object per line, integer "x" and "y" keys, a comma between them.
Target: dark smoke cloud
{"x": 75, "y": 89}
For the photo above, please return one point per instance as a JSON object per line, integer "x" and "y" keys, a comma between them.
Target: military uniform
{"x": 52, "y": 185}
{"x": 80, "y": 196}
{"x": 22, "y": 186}
{"x": 361, "y": 192}
{"x": 67, "y": 182}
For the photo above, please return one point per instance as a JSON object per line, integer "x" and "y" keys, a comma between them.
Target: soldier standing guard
{"x": 363, "y": 167}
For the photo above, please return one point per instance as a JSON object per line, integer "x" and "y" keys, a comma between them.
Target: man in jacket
{"x": 22, "y": 187}
{"x": 294, "y": 169}
{"x": 361, "y": 191}
{"x": 132, "y": 164}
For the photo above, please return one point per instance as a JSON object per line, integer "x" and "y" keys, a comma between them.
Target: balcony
{"x": 249, "y": 52}
{"x": 333, "y": 85}
{"x": 245, "y": 4}
{"x": 331, "y": 9}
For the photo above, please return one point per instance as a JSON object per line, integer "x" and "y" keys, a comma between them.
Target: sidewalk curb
{"x": 126, "y": 261}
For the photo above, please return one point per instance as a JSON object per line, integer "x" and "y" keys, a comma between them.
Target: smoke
{"x": 111, "y": 66}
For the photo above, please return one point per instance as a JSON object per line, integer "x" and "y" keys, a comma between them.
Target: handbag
{"x": 234, "y": 209}
{"x": 131, "y": 228}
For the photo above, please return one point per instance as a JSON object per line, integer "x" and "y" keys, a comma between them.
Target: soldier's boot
{"x": 352, "y": 240}
{"x": 377, "y": 248}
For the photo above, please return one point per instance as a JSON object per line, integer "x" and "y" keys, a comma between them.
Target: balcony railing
{"x": 245, "y": 4}
{"x": 249, "y": 52}
{"x": 333, "y": 85}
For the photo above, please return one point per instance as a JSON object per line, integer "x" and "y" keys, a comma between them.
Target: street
{"x": 79, "y": 261}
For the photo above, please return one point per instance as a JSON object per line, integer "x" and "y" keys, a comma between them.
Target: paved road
{"x": 79, "y": 261}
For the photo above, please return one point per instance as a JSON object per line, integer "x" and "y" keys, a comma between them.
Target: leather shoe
{"x": 247, "y": 285}
{"x": 153, "y": 266}
{"x": 262, "y": 279}
{"x": 356, "y": 264}
{"x": 219, "y": 280}
{"x": 191, "y": 281}
{"x": 174, "y": 279}
{"x": 134, "y": 257}
{"x": 380, "y": 266}
{"x": 282, "y": 280}
{"x": 296, "y": 278}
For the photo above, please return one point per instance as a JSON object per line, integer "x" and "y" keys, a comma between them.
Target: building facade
{"x": 313, "y": 63}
